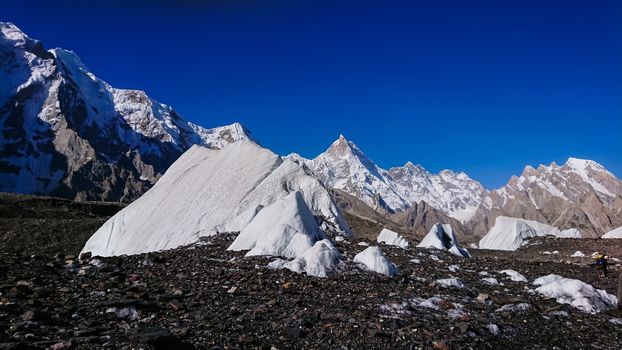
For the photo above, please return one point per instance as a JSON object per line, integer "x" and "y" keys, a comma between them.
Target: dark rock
{"x": 176, "y": 305}
{"x": 293, "y": 332}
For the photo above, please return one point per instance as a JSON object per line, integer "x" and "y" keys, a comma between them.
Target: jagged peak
{"x": 415, "y": 167}
{"x": 456, "y": 174}
{"x": 240, "y": 128}
{"x": 236, "y": 130}
{"x": 12, "y": 37}
{"x": 11, "y": 32}
{"x": 528, "y": 170}
{"x": 342, "y": 146}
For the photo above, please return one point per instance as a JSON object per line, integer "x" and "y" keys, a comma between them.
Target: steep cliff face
{"x": 66, "y": 133}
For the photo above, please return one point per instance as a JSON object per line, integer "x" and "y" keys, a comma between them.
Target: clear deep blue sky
{"x": 484, "y": 87}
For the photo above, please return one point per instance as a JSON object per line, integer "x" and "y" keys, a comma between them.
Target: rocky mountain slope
{"x": 67, "y": 133}
{"x": 579, "y": 194}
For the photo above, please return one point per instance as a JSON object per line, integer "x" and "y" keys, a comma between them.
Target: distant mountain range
{"x": 580, "y": 194}
{"x": 66, "y": 133}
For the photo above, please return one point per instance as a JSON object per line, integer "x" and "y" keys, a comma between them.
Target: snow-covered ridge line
{"x": 76, "y": 136}
{"x": 344, "y": 166}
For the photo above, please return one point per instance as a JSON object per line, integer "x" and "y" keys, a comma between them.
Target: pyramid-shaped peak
{"x": 342, "y": 146}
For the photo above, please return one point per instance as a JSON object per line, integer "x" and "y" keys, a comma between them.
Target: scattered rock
{"x": 176, "y": 305}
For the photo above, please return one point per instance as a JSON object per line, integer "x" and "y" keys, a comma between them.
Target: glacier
{"x": 206, "y": 192}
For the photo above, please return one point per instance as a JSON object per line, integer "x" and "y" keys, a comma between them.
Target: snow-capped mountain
{"x": 67, "y": 133}
{"x": 569, "y": 182}
{"x": 344, "y": 166}
{"x": 580, "y": 194}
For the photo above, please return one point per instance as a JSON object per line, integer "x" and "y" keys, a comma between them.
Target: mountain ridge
{"x": 579, "y": 192}
{"x": 67, "y": 133}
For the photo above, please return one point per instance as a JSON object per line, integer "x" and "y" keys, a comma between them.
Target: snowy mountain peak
{"x": 76, "y": 136}
{"x": 344, "y": 166}
{"x": 581, "y": 164}
{"x": 11, "y": 37}
{"x": 12, "y": 33}
{"x": 342, "y": 147}
{"x": 568, "y": 186}
{"x": 413, "y": 168}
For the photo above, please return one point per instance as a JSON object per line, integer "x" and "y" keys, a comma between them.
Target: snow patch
{"x": 450, "y": 282}
{"x": 576, "y": 293}
{"x": 514, "y": 308}
{"x": 490, "y": 281}
{"x": 514, "y": 275}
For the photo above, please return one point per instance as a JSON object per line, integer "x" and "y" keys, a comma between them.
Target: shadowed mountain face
{"x": 66, "y": 133}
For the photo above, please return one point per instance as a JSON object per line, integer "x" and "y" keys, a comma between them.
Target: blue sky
{"x": 484, "y": 87}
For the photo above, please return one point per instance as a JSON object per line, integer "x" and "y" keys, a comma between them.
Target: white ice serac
{"x": 442, "y": 237}
{"x": 210, "y": 191}
{"x": 512, "y": 233}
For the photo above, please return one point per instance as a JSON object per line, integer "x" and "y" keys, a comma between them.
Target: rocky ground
{"x": 47, "y": 225}
{"x": 203, "y": 296}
